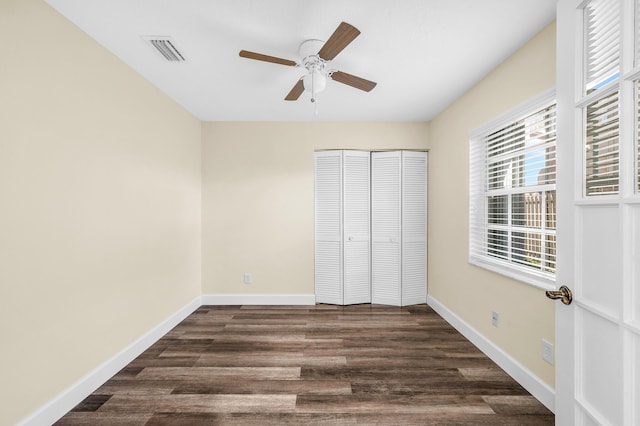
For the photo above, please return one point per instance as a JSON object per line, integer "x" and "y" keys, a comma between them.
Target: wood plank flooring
{"x": 324, "y": 364}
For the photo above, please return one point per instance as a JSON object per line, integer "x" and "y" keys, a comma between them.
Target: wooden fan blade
{"x": 266, "y": 58}
{"x": 295, "y": 93}
{"x": 341, "y": 37}
{"x": 353, "y": 81}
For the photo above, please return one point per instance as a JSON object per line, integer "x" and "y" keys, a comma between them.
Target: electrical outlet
{"x": 495, "y": 318}
{"x": 248, "y": 279}
{"x": 547, "y": 351}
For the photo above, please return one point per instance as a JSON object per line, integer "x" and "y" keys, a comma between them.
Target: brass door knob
{"x": 564, "y": 294}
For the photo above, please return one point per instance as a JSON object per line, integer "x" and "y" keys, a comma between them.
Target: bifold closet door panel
{"x": 328, "y": 227}
{"x": 386, "y": 228}
{"x": 356, "y": 227}
{"x": 414, "y": 228}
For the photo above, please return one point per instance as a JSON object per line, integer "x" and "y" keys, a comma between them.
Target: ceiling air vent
{"x": 166, "y": 47}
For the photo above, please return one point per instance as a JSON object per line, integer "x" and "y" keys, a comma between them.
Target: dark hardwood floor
{"x": 324, "y": 364}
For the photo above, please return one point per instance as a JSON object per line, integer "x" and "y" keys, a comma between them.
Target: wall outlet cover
{"x": 495, "y": 318}
{"x": 547, "y": 351}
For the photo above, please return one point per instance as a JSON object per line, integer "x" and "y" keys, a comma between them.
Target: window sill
{"x": 515, "y": 273}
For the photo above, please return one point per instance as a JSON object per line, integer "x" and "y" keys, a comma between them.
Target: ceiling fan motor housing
{"x": 310, "y": 47}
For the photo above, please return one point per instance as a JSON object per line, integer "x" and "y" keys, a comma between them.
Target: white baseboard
{"x": 74, "y": 394}
{"x": 259, "y": 299}
{"x": 532, "y": 383}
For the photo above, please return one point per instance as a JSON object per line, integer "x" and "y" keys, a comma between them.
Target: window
{"x": 602, "y": 175}
{"x": 601, "y": 97}
{"x": 513, "y": 193}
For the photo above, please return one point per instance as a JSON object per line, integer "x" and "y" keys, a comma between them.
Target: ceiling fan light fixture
{"x": 314, "y": 82}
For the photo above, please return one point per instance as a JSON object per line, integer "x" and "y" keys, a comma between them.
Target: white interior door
{"x": 598, "y": 334}
{"x": 386, "y": 195}
{"x": 328, "y": 227}
{"x": 357, "y": 256}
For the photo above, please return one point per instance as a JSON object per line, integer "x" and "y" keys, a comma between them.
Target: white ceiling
{"x": 422, "y": 53}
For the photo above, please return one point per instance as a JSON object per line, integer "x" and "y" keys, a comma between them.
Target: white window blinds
{"x": 637, "y": 104}
{"x": 602, "y": 42}
{"x": 637, "y": 89}
{"x": 513, "y": 193}
{"x": 636, "y": 26}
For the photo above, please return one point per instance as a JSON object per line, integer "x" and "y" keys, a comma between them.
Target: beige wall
{"x": 526, "y": 316}
{"x": 257, "y": 198}
{"x": 99, "y": 206}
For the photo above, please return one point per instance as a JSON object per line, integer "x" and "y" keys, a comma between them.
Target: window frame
{"x": 479, "y": 194}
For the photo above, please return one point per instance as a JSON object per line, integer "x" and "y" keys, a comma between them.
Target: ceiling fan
{"x": 316, "y": 56}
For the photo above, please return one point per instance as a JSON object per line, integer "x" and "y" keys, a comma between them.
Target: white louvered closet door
{"x": 386, "y": 191}
{"x": 356, "y": 218}
{"x": 328, "y": 227}
{"x": 414, "y": 228}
